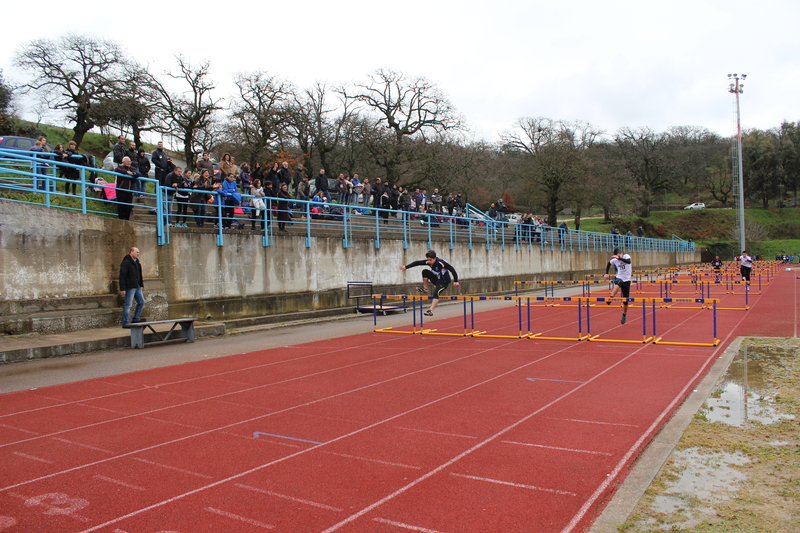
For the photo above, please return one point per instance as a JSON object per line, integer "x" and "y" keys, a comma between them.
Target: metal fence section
{"x": 43, "y": 176}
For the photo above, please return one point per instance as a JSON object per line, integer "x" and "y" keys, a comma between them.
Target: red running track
{"x": 369, "y": 433}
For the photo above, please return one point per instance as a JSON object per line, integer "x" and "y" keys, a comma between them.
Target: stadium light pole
{"x": 738, "y": 88}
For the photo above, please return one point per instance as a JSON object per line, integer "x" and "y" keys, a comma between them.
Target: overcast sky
{"x": 613, "y": 64}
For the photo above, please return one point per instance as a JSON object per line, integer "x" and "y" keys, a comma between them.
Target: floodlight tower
{"x": 737, "y": 89}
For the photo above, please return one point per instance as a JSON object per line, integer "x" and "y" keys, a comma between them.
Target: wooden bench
{"x": 138, "y": 330}
{"x": 362, "y": 290}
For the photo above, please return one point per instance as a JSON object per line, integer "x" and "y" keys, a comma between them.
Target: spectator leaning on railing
{"x": 125, "y": 187}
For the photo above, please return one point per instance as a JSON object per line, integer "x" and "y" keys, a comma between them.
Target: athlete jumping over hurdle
{"x": 622, "y": 281}
{"x": 439, "y": 275}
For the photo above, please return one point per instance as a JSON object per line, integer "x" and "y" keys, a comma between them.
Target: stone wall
{"x": 53, "y": 253}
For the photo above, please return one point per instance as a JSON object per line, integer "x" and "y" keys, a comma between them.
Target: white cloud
{"x": 614, "y": 64}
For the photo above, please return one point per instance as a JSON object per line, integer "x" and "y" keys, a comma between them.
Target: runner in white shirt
{"x": 622, "y": 281}
{"x": 747, "y": 266}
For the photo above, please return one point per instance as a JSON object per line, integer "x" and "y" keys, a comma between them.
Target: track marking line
{"x": 557, "y": 448}
{"x": 517, "y": 485}
{"x": 119, "y": 482}
{"x": 32, "y": 457}
{"x": 175, "y": 468}
{"x": 239, "y": 518}
{"x": 312, "y": 448}
{"x": 200, "y": 400}
{"x": 257, "y": 434}
{"x": 81, "y": 445}
{"x": 19, "y": 429}
{"x": 437, "y": 432}
{"x": 287, "y": 497}
{"x": 556, "y": 380}
{"x": 590, "y": 502}
{"x": 63, "y": 403}
{"x": 387, "y": 463}
{"x": 592, "y": 422}
{"x": 406, "y": 526}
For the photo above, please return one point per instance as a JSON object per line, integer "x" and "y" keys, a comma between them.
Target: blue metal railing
{"x": 37, "y": 172}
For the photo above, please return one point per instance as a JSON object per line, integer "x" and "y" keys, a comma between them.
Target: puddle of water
{"x": 704, "y": 480}
{"x": 742, "y": 394}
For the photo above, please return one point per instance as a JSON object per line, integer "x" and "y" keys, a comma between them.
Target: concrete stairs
{"x": 58, "y": 315}
{"x": 30, "y": 346}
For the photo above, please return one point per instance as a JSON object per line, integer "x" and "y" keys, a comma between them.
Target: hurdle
{"x": 375, "y": 305}
{"x": 715, "y": 342}
{"x": 484, "y": 334}
{"x": 583, "y": 305}
{"x": 596, "y": 338}
{"x": 544, "y": 284}
{"x": 580, "y": 337}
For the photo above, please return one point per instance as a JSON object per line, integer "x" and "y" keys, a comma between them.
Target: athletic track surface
{"x": 368, "y": 433}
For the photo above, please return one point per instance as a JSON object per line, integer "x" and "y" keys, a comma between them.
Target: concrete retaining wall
{"x": 52, "y": 253}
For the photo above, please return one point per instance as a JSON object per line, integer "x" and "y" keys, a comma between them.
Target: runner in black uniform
{"x": 716, "y": 263}
{"x": 439, "y": 275}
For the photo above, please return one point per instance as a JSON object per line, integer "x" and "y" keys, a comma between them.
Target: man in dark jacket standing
{"x": 321, "y": 184}
{"x": 119, "y": 150}
{"x": 160, "y": 162}
{"x": 131, "y": 285}
{"x": 126, "y": 184}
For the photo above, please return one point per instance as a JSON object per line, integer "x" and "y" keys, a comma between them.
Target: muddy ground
{"x": 737, "y": 467}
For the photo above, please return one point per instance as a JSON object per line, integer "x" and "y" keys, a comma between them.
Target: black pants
{"x": 227, "y": 213}
{"x": 182, "y": 205}
{"x": 439, "y": 285}
{"x": 745, "y": 272}
{"x": 124, "y": 204}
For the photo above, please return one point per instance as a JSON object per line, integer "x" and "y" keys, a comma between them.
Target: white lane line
{"x": 313, "y": 448}
{"x": 175, "y": 468}
{"x": 488, "y": 440}
{"x": 119, "y": 482}
{"x": 556, "y": 448}
{"x": 188, "y": 380}
{"x": 387, "y": 463}
{"x": 287, "y": 497}
{"x": 18, "y": 429}
{"x": 262, "y": 417}
{"x": 437, "y": 433}
{"x": 201, "y": 400}
{"x": 81, "y": 445}
{"x": 239, "y": 518}
{"x": 592, "y": 422}
{"x": 406, "y": 526}
{"x": 32, "y": 457}
{"x": 635, "y": 448}
{"x": 517, "y": 485}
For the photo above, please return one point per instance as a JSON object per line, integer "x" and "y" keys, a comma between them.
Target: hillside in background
{"x": 769, "y": 231}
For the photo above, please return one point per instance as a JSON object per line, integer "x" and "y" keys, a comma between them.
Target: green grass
{"x": 94, "y": 144}
{"x": 72, "y": 202}
{"x": 713, "y": 228}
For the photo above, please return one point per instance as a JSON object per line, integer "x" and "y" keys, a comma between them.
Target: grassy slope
{"x": 93, "y": 143}
{"x": 708, "y": 226}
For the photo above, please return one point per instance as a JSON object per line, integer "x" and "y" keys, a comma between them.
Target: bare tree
{"x": 259, "y": 112}
{"x": 647, "y": 157}
{"x": 188, "y": 113}
{"x": 74, "y": 72}
{"x": 555, "y": 151}
{"x": 719, "y": 181}
{"x": 132, "y": 104}
{"x": 407, "y": 107}
{"x": 318, "y": 124}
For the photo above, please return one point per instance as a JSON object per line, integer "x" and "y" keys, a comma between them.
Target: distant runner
{"x": 622, "y": 281}
{"x": 747, "y": 266}
{"x": 716, "y": 264}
